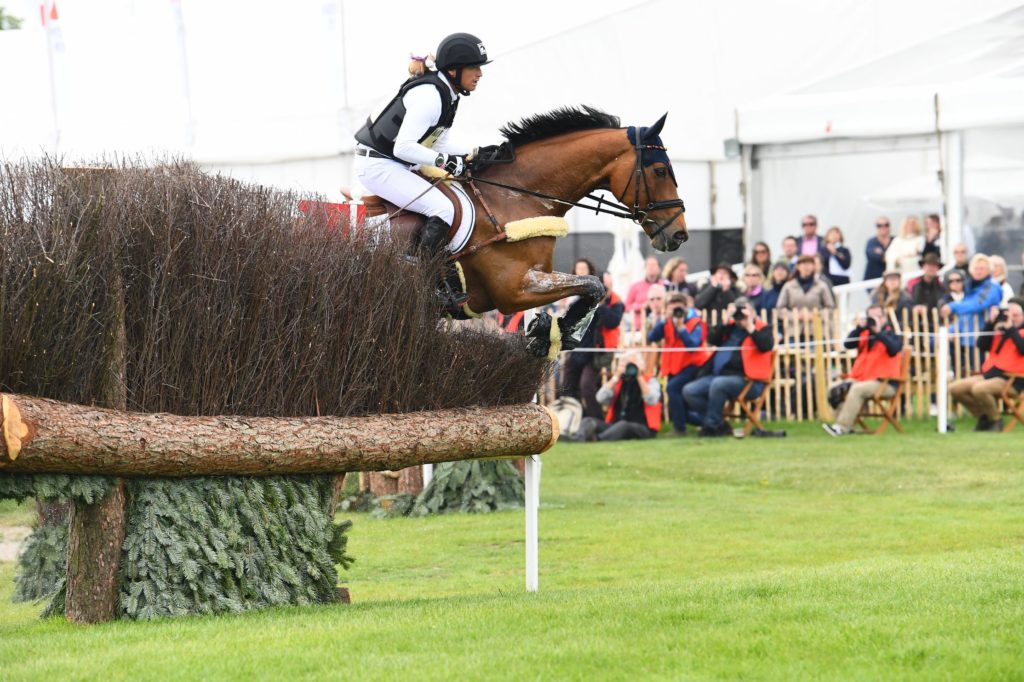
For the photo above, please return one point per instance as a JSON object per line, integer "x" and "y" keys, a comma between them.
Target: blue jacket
{"x": 971, "y": 310}
{"x": 876, "y": 259}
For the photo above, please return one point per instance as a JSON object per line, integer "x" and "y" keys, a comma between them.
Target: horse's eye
{"x": 660, "y": 172}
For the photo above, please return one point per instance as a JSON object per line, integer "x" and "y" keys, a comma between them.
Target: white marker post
{"x": 942, "y": 377}
{"x": 531, "y": 482}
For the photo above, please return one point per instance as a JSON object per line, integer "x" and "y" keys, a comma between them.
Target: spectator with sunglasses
{"x": 875, "y": 250}
{"x": 810, "y": 243}
{"x": 761, "y": 256}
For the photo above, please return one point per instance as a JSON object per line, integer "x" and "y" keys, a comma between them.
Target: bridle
{"x": 635, "y": 213}
{"x": 640, "y": 216}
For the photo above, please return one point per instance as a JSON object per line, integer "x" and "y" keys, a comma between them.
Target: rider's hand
{"x": 454, "y": 164}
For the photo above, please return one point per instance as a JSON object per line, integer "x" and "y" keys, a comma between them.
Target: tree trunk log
{"x": 73, "y": 439}
{"x": 408, "y": 480}
{"x": 94, "y": 557}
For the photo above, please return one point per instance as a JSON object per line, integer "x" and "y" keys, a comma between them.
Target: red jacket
{"x": 757, "y": 364}
{"x": 609, "y": 338}
{"x": 873, "y": 362}
{"x": 1003, "y": 356}
{"x": 651, "y": 412}
{"x": 674, "y": 363}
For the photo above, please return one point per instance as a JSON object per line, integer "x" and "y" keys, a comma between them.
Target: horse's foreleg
{"x": 541, "y": 288}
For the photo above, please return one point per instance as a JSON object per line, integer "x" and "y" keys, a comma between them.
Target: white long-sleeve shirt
{"x": 422, "y": 112}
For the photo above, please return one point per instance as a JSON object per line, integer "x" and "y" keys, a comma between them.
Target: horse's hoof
{"x": 540, "y": 333}
{"x": 568, "y": 343}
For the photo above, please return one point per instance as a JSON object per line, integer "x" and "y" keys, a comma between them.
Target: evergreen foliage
{"x": 232, "y": 303}
{"x": 475, "y": 486}
{"x": 43, "y": 563}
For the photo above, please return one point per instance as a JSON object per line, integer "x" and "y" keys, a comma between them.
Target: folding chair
{"x": 1012, "y": 405}
{"x": 750, "y": 408}
{"x": 881, "y": 407}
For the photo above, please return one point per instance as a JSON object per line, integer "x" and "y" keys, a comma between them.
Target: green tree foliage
{"x": 9, "y": 22}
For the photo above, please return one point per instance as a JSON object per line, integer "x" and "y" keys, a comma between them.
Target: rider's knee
{"x": 444, "y": 212}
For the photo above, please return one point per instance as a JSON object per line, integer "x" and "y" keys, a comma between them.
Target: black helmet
{"x": 460, "y": 49}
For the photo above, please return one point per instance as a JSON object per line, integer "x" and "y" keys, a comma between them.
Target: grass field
{"x": 805, "y": 557}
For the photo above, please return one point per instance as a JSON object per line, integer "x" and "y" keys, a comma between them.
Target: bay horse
{"x": 560, "y": 157}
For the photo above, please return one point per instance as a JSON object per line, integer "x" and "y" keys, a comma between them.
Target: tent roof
{"x": 976, "y": 74}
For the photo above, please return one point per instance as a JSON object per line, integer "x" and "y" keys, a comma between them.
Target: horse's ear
{"x": 655, "y": 130}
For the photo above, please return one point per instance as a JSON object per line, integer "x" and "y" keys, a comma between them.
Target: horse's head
{"x": 646, "y": 184}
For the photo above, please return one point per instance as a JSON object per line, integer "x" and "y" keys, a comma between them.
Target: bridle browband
{"x": 637, "y": 215}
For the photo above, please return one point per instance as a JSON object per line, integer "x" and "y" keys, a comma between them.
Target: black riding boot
{"x": 431, "y": 244}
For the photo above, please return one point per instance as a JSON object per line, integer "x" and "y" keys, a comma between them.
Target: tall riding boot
{"x": 431, "y": 244}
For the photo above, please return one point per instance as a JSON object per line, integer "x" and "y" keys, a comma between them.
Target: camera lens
{"x": 678, "y": 312}
{"x": 631, "y": 370}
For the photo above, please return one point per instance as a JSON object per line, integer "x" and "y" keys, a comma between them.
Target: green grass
{"x": 17, "y": 514}
{"x": 805, "y": 557}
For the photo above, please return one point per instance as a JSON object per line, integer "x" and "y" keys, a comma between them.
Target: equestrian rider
{"x": 412, "y": 131}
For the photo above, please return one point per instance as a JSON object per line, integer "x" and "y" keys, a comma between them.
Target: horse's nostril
{"x": 682, "y": 237}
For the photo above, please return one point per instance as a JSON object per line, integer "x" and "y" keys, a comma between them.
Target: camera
{"x": 678, "y": 312}
{"x": 739, "y": 316}
{"x": 631, "y": 371}
{"x": 1001, "y": 316}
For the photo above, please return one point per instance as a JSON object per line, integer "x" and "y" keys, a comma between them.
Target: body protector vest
{"x": 380, "y": 134}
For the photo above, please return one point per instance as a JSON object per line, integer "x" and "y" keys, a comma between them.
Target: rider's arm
{"x": 446, "y": 144}
{"x": 422, "y": 112}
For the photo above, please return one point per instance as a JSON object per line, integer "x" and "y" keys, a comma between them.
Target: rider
{"x": 412, "y": 131}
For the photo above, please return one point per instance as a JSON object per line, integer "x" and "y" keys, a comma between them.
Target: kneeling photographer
{"x": 633, "y": 402}
{"x": 681, "y": 328}
{"x": 878, "y": 356}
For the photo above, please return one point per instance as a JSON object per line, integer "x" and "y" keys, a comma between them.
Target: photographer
{"x": 681, "y": 327}
{"x": 746, "y": 343}
{"x": 1005, "y": 355}
{"x": 719, "y": 292}
{"x": 878, "y": 356}
{"x": 633, "y": 399}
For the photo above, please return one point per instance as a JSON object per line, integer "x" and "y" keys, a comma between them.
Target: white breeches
{"x": 399, "y": 185}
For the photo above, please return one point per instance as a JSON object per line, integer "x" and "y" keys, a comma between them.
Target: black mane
{"x": 557, "y": 122}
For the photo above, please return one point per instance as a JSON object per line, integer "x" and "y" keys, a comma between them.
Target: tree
{"x": 9, "y": 22}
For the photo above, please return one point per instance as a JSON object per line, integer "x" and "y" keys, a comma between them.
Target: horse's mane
{"x": 557, "y": 122}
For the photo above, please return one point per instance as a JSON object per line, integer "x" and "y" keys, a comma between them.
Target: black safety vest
{"x": 380, "y": 134}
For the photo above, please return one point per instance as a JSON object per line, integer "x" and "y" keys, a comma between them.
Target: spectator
{"x": 956, "y": 286}
{"x": 790, "y": 251}
{"x": 779, "y": 276}
{"x": 810, "y": 243}
{"x": 932, "y": 235}
{"x": 675, "y": 273}
{"x": 753, "y": 278}
{"x": 999, "y": 275}
{"x": 890, "y": 295}
{"x": 876, "y": 248}
{"x": 761, "y": 256}
{"x": 683, "y": 328}
{"x": 1005, "y": 351}
{"x": 982, "y": 294}
{"x": 746, "y": 343}
{"x": 633, "y": 401}
{"x": 927, "y": 291}
{"x": 718, "y": 293}
{"x": 655, "y": 307}
{"x": 581, "y": 372}
{"x": 805, "y": 291}
{"x": 960, "y": 257}
{"x": 838, "y": 257}
{"x": 636, "y": 299}
{"x": 878, "y": 356}
{"x": 1022, "y": 265}
{"x": 905, "y": 250}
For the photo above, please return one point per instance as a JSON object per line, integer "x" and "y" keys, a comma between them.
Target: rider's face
{"x": 470, "y": 77}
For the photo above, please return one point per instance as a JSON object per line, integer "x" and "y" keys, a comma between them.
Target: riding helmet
{"x": 460, "y": 49}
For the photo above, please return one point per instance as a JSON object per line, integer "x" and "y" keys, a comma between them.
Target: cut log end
{"x": 16, "y": 431}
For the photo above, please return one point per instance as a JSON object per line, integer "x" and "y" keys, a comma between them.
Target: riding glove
{"x": 454, "y": 164}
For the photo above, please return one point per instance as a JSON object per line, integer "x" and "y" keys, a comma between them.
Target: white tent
{"x": 935, "y": 127}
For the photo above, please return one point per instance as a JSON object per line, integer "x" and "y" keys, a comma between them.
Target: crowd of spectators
{"x": 713, "y": 337}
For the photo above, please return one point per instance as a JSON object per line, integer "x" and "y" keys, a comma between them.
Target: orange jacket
{"x": 674, "y": 363}
{"x": 651, "y": 412}
{"x": 873, "y": 362}
{"x": 1003, "y": 356}
{"x": 757, "y": 364}
{"x": 609, "y": 338}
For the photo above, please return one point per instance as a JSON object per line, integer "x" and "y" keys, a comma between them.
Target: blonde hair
{"x": 419, "y": 66}
{"x": 672, "y": 264}
{"x": 884, "y": 297}
{"x": 910, "y": 227}
{"x": 834, "y": 228}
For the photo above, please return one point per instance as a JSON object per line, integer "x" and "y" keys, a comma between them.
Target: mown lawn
{"x": 805, "y": 557}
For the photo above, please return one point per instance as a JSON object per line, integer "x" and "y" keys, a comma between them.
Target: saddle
{"x": 406, "y": 225}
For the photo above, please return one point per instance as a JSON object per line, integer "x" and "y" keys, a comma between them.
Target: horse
{"x": 560, "y": 158}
